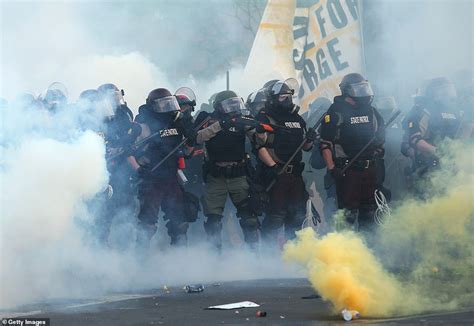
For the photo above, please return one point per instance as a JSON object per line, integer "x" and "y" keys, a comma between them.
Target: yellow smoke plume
{"x": 427, "y": 245}
{"x": 344, "y": 271}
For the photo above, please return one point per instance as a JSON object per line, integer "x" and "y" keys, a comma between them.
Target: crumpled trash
{"x": 236, "y": 305}
{"x": 196, "y": 288}
{"x": 261, "y": 313}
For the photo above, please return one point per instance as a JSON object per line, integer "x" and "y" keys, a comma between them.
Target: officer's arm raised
{"x": 206, "y": 134}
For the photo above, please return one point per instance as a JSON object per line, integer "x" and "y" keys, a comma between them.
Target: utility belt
{"x": 356, "y": 165}
{"x": 295, "y": 169}
{"x": 229, "y": 172}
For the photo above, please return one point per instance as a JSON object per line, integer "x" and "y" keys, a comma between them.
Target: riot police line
{"x": 186, "y": 165}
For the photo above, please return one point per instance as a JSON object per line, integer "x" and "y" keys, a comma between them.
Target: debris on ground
{"x": 196, "y": 288}
{"x": 350, "y": 314}
{"x": 236, "y": 305}
{"x": 312, "y": 296}
{"x": 261, "y": 313}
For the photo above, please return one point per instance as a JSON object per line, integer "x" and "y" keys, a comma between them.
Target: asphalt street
{"x": 286, "y": 302}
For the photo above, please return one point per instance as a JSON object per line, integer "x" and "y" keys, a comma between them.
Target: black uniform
{"x": 160, "y": 188}
{"x": 288, "y": 196}
{"x": 346, "y": 129}
{"x": 433, "y": 123}
{"x": 119, "y": 132}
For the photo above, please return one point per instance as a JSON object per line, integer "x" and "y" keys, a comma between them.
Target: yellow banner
{"x": 315, "y": 41}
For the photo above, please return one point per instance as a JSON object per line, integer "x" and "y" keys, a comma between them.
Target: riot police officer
{"x": 256, "y": 101}
{"x": 114, "y": 99}
{"x": 288, "y": 195}
{"x": 350, "y": 123}
{"x": 433, "y": 118}
{"x": 55, "y": 98}
{"x": 159, "y": 188}
{"x": 225, "y": 167}
{"x": 104, "y": 112}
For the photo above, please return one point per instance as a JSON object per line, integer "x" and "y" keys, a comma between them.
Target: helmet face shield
{"x": 444, "y": 91}
{"x": 106, "y": 109}
{"x": 114, "y": 97}
{"x": 165, "y": 104}
{"x": 361, "y": 89}
{"x": 232, "y": 105}
{"x": 186, "y": 95}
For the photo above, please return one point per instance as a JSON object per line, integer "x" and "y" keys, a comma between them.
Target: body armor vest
{"x": 442, "y": 124}
{"x": 285, "y": 142}
{"x": 170, "y": 135}
{"x": 357, "y": 126}
{"x": 227, "y": 146}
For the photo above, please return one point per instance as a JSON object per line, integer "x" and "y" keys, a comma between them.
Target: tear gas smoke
{"x": 344, "y": 271}
{"x": 426, "y": 245}
{"x": 51, "y": 176}
{"x": 407, "y": 42}
{"x": 105, "y": 42}
{"x": 51, "y": 170}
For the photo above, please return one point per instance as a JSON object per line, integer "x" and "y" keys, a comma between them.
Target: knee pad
{"x": 191, "y": 207}
{"x": 176, "y": 228}
{"x": 250, "y": 223}
{"x": 213, "y": 223}
{"x": 244, "y": 209}
{"x": 272, "y": 222}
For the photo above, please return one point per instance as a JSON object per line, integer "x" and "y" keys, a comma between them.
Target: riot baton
{"x": 300, "y": 147}
{"x": 179, "y": 145}
{"x": 134, "y": 147}
{"x": 348, "y": 165}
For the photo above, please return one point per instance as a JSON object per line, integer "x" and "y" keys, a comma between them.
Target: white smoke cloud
{"x": 407, "y": 42}
{"x": 51, "y": 174}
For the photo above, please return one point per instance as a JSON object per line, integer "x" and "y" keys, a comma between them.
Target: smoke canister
{"x": 350, "y": 314}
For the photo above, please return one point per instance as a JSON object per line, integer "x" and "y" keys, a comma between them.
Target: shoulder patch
{"x": 327, "y": 118}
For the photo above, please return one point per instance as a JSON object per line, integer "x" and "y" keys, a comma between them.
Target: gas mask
{"x": 363, "y": 101}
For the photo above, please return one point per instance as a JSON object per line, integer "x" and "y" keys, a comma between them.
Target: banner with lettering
{"x": 315, "y": 41}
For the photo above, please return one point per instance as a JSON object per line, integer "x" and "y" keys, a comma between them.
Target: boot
{"x": 213, "y": 228}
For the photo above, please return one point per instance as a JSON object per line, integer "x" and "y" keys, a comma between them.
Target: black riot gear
{"x": 228, "y": 103}
{"x": 55, "y": 97}
{"x": 161, "y": 100}
{"x": 281, "y": 96}
{"x": 441, "y": 91}
{"x": 159, "y": 188}
{"x": 90, "y": 95}
{"x": 256, "y": 101}
{"x": 113, "y": 102}
{"x": 112, "y": 94}
{"x": 350, "y": 127}
{"x": 284, "y": 142}
{"x": 358, "y": 88}
{"x": 227, "y": 146}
